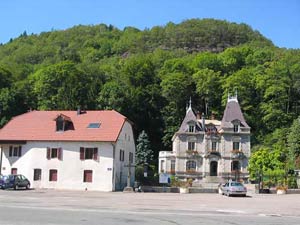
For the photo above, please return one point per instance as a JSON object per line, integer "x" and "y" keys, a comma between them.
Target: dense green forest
{"x": 149, "y": 75}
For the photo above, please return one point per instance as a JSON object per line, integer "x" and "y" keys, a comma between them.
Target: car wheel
{"x": 28, "y": 186}
{"x": 16, "y": 187}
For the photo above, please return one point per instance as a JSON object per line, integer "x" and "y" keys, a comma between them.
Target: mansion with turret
{"x": 209, "y": 150}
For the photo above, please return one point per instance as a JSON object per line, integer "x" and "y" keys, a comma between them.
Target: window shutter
{"x": 59, "y": 153}
{"x": 10, "y": 151}
{"x": 20, "y": 151}
{"x": 95, "y": 156}
{"x": 48, "y": 153}
{"x": 81, "y": 153}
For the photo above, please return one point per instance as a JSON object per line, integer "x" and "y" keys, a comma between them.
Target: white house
{"x": 69, "y": 149}
{"x": 210, "y": 150}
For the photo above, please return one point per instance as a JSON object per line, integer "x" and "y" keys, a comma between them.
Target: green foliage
{"x": 294, "y": 143}
{"x": 149, "y": 75}
{"x": 144, "y": 153}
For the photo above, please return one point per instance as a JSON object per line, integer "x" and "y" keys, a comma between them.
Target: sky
{"x": 277, "y": 20}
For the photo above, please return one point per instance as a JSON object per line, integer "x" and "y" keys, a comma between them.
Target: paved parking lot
{"x": 79, "y": 207}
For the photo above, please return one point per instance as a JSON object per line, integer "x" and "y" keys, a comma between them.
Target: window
{"x": 52, "y": 175}
{"x": 214, "y": 146}
{"x": 60, "y": 124}
{"x": 236, "y": 128}
{"x": 53, "y": 153}
{"x": 122, "y": 155}
{"x": 190, "y": 165}
{"x": 236, "y": 146}
{"x": 37, "y": 174}
{"x": 88, "y": 176}
{"x": 15, "y": 151}
{"x": 88, "y": 153}
{"x": 162, "y": 166}
{"x": 235, "y": 165}
{"x": 191, "y": 145}
{"x": 130, "y": 157}
{"x": 191, "y": 128}
{"x": 94, "y": 125}
{"x": 172, "y": 165}
{"x": 63, "y": 123}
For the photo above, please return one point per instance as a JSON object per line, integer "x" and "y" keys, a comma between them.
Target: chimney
{"x": 78, "y": 111}
{"x": 198, "y": 115}
{"x": 213, "y": 116}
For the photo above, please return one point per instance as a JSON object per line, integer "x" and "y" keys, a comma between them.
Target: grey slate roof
{"x": 190, "y": 116}
{"x": 233, "y": 112}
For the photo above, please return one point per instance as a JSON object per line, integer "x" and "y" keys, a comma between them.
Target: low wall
{"x": 176, "y": 189}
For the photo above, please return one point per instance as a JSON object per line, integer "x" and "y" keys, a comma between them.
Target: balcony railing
{"x": 236, "y": 154}
{"x": 191, "y": 152}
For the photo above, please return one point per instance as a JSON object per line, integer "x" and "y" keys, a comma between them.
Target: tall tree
{"x": 294, "y": 144}
{"x": 144, "y": 153}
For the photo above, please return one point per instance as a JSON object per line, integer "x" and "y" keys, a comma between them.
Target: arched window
{"x": 190, "y": 165}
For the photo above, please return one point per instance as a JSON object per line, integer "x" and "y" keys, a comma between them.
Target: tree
{"x": 294, "y": 144}
{"x": 61, "y": 86}
{"x": 144, "y": 153}
{"x": 208, "y": 84}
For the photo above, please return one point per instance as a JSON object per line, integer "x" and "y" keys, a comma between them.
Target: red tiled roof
{"x": 41, "y": 126}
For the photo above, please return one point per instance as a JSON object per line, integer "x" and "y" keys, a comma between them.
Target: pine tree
{"x": 144, "y": 153}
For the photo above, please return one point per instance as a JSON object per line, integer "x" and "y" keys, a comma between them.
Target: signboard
{"x": 164, "y": 178}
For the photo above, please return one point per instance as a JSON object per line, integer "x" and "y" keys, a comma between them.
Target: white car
{"x": 233, "y": 188}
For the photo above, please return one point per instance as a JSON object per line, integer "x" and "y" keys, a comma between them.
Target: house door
{"x": 213, "y": 168}
{"x": 14, "y": 170}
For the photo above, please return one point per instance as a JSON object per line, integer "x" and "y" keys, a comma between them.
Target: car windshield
{"x": 236, "y": 184}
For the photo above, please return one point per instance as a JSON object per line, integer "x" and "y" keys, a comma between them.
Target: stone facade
{"x": 210, "y": 150}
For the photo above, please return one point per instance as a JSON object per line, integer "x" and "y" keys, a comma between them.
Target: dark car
{"x": 15, "y": 181}
{"x": 1, "y": 180}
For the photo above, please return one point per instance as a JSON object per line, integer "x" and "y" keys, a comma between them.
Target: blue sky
{"x": 278, "y": 20}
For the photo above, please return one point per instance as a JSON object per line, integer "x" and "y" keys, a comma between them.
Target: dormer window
{"x": 236, "y": 128}
{"x": 63, "y": 123}
{"x": 59, "y": 124}
{"x": 192, "y": 128}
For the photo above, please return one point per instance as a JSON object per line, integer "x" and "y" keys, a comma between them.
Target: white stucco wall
{"x": 126, "y": 143}
{"x": 70, "y": 169}
{"x": 106, "y": 170}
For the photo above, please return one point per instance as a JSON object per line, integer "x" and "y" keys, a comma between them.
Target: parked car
{"x": 233, "y": 188}
{"x": 14, "y": 181}
{"x": 1, "y": 180}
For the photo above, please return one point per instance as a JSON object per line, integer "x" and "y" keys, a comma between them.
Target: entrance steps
{"x": 209, "y": 182}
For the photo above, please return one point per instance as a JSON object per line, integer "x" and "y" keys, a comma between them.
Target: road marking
{"x": 230, "y": 211}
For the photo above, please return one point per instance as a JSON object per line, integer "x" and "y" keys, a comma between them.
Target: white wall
{"x": 69, "y": 170}
{"x": 126, "y": 143}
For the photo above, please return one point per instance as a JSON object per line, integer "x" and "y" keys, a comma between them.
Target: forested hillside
{"x": 150, "y": 75}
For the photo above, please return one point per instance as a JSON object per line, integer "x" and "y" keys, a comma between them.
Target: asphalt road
{"x": 49, "y": 207}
